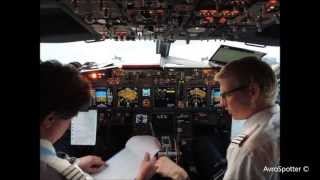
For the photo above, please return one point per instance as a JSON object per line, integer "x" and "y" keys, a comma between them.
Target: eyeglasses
{"x": 228, "y": 93}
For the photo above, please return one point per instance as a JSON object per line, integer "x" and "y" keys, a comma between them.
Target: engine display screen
{"x": 165, "y": 97}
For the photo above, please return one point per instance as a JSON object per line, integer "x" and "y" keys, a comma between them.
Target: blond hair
{"x": 252, "y": 70}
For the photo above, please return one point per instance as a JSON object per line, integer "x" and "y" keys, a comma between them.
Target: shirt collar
{"x": 46, "y": 148}
{"x": 259, "y": 117}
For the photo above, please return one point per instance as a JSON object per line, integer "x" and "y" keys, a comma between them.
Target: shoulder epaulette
{"x": 241, "y": 138}
{"x": 73, "y": 173}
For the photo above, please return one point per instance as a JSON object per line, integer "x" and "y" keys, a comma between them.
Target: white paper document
{"x": 125, "y": 164}
{"x": 84, "y": 128}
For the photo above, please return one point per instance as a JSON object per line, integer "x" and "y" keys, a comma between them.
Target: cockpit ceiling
{"x": 252, "y": 21}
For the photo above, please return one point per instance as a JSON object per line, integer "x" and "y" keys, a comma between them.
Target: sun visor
{"x": 226, "y": 54}
{"x": 59, "y": 24}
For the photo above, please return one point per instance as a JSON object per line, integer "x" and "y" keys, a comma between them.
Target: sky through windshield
{"x": 140, "y": 52}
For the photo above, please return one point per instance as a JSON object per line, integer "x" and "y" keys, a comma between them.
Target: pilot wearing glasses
{"x": 248, "y": 91}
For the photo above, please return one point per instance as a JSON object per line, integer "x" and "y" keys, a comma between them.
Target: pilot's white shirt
{"x": 256, "y": 148}
{"x": 55, "y": 168}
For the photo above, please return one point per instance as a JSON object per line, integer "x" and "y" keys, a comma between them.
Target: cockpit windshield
{"x": 143, "y": 52}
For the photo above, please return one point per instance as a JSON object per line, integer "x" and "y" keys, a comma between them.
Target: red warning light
{"x": 272, "y": 5}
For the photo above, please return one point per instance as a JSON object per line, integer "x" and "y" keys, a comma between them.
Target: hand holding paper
{"x": 91, "y": 164}
{"x": 147, "y": 168}
{"x": 131, "y": 162}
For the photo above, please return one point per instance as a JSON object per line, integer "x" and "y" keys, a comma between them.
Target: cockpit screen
{"x": 196, "y": 97}
{"x": 215, "y": 96}
{"x": 101, "y": 96}
{"x": 104, "y": 97}
{"x": 146, "y": 92}
{"x": 127, "y": 97}
{"x": 141, "y": 119}
{"x": 165, "y": 97}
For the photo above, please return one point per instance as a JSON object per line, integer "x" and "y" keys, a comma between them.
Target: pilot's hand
{"x": 167, "y": 168}
{"x": 91, "y": 164}
{"x": 147, "y": 168}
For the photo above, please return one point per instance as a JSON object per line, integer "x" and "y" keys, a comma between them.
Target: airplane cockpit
{"x": 174, "y": 99}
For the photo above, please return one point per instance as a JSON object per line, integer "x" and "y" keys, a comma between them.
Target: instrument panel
{"x": 174, "y": 105}
{"x": 154, "y": 88}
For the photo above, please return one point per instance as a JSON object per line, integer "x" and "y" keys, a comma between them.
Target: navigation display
{"x": 127, "y": 97}
{"x": 196, "y": 97}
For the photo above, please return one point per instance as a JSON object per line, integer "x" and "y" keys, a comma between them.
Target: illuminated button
{"x": 93, "y": 75}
